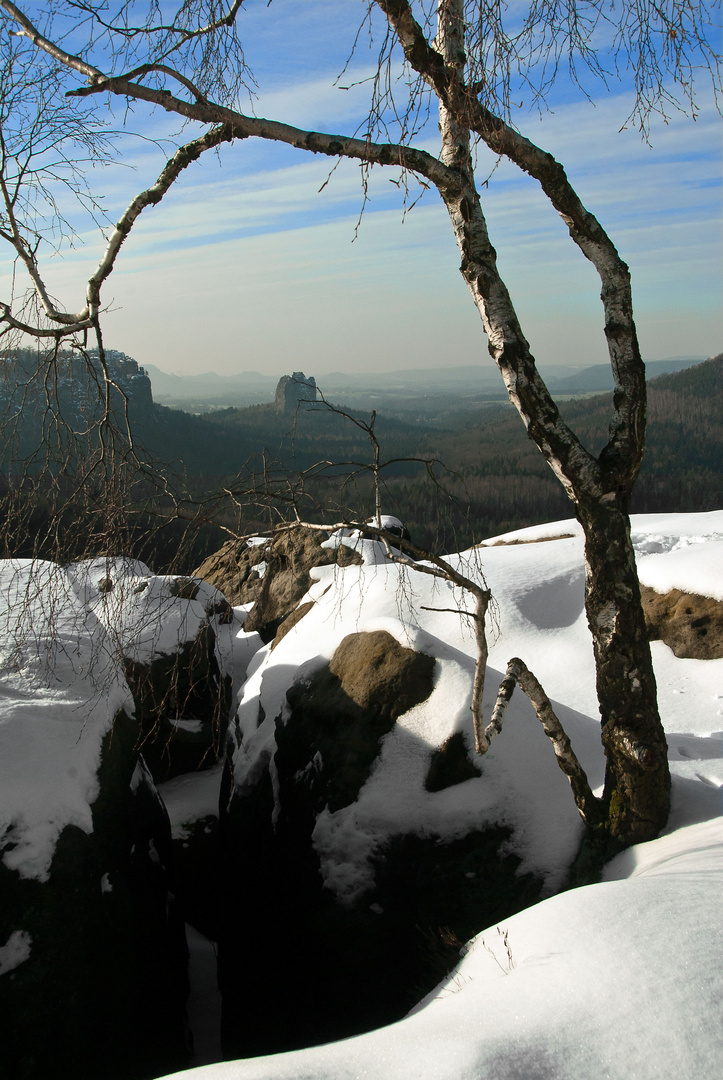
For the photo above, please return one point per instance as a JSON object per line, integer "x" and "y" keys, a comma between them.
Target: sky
{"x": 248, "y": 265}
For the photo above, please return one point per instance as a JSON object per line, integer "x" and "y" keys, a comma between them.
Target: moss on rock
{"x": 345, "y": 710}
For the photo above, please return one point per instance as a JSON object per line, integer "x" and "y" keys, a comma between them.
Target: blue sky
{"x": 246, "y": 265}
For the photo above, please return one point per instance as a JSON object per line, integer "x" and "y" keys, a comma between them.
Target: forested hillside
{"x": 488, "y": 476}
{"x": 508, "y": 484}
{"x": 491, "y": 476}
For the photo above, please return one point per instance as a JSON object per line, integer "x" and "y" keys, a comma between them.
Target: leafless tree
{"x": 466, "y": 56}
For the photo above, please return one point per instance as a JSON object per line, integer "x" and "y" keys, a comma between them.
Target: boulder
{"x": 690, "y": 625}
{"x": 345, "y": 710}
{"x": 274, "y": 574}
{"x": 166, "y": 631}
{"x": 324, "y": 962}
{"x": 233, "y": 570}
{"x": 182, "y": 703}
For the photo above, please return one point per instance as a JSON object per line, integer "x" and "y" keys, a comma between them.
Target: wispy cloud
{"x": 246, "y": 263}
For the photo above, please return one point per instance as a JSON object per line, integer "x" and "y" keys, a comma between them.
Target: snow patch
{"x": 15, "y": 951}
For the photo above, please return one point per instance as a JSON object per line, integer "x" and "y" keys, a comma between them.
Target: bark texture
{"x": 590, "y": 808}
{"x": 637, "y": 779}
{"x": 636, "y": 797}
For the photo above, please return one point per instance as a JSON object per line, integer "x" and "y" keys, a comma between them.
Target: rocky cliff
{"x": 293, "y": 389}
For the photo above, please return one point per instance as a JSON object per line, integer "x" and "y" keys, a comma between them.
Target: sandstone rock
{"x": 691, "y": 625}
{"x": 288, "y": 561}
{"x": 292, "y": 389}
{"x": 107, "y": 952}
{"x": 182, "y": 703}
{"x": 232, "y": 570}
{"x": 165, "y": 632}
{"x": 85, "y": 876}
{"x": 345, "y": 711}
{"x": 290, "y": 621}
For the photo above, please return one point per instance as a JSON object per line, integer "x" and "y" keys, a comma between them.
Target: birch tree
{"x": 460, "y": 53}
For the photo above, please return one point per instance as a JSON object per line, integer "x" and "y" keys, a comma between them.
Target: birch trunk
{"x": 637, "y": 784}
{"x": 637, "y": 779}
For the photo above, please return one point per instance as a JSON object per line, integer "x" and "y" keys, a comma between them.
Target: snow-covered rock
{"x": 272, "y": 574}
{"x": 362, "y": 841}
{"x": 620, "y": 979}
{"x": 617, "y": 981}
{"x": 91, "y": 944}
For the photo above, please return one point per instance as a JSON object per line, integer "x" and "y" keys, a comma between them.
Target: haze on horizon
{"x": 248, "y": 265}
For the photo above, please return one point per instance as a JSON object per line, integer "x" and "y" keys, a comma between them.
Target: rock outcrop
{"x": 273, "y": 574}
{"x": 79, "y": 389}
{"x": 344, "y": 711}
{"x": 293, "y": 389}
{"x": 325, "y": 965}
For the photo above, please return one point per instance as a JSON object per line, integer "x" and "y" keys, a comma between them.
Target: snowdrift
{"x": 620, "y": 979}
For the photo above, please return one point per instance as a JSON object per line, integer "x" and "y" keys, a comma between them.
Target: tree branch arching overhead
{"x": 467, "y": 64}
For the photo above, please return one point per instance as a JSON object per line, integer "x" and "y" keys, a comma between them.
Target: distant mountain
{"x": 495, "y": 477}
{"x": 396, "y": 391}
{"x": 599, "y": 377}
{"x": 504, "y": 478}
{"x": 248, "y": 387}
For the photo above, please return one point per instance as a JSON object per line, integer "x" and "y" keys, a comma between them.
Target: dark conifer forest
{"x": 482, "y": 476}
{"x": 491, "y": 476}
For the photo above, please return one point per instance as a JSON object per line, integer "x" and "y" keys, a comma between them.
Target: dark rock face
{"x": 451, "y": 765}
{"x": 132, "y": 380}
{"x": 345, "y": 711}
{"x": 691, "y": 625}
{"x": 289, "y": 559}
{"x": 320, "y": 969}
{"x": 80, "y": 385}
{"x": 102, "y": 991}
{"x": 182, "y": 705}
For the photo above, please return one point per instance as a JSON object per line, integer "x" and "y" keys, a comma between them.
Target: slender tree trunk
{"x": 637, "y": 785}
{"x": 637, "y": 779}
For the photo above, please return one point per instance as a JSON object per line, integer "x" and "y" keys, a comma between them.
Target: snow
{"x": 142, "y": 612}
{"x": 61, "y": 686}
{"x": 619, "y": 980}
{"x": 15, "y": 951}
{"x": 191, "y": 797}
{"x": 692, "y": 568}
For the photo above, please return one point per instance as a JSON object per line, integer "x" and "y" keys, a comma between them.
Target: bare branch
{"x": 183, "y": 157}
{"x": 590, "y": 807}
{"x": 76, "y": 63}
